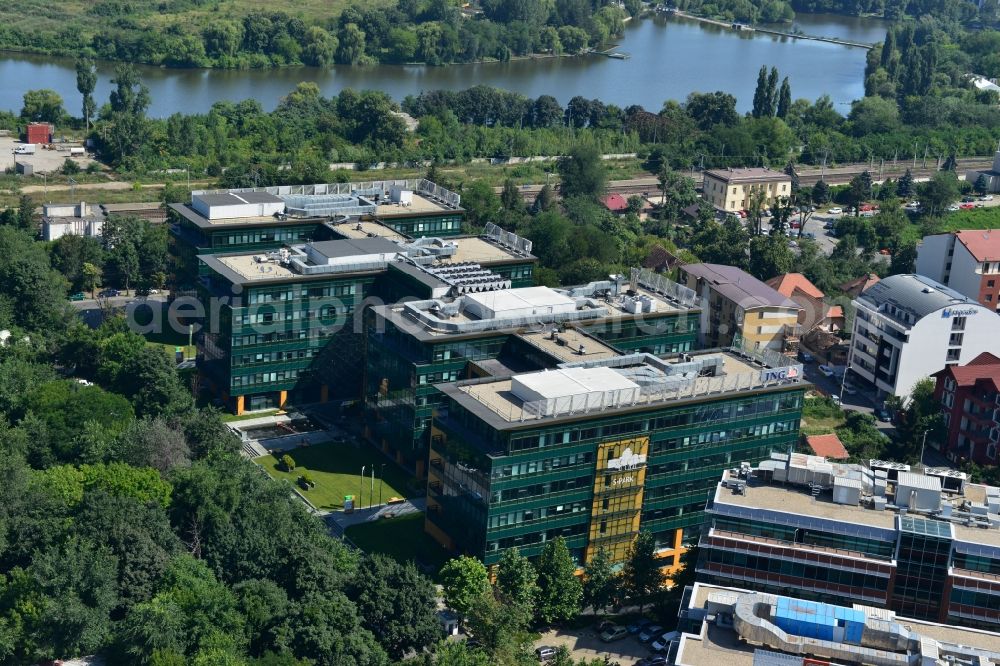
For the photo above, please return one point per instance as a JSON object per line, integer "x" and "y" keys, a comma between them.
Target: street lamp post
{"x": 923, "y": 443}
{"x": 381, "y": 473}
{"x": 361, "y": 492}
{"x": 371, "y": 492}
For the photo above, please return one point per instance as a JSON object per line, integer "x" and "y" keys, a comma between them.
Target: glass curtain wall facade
{"x": 491, "y": 489}
{"x": 922, "y": 568}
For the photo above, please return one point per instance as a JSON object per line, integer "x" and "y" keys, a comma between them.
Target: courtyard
{"x": 335, "y": 467}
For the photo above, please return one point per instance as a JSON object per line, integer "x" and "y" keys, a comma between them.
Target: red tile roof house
{"x": 815, "y": 312}
{"x": 828, "y": 446}
{"x": 858, "y": 285}
{"x": 968, "y": 395}
{"x": 616, "y": 203}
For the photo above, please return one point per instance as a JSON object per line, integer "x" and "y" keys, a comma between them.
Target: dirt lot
{"x": 44, "y": 161}
{"x": 586, "y": 644}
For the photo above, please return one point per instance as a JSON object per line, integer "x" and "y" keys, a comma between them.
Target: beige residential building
{"x": 729, "y": 189}
{"x": 738, "y": 309}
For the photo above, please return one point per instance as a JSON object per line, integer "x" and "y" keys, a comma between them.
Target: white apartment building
{"x": 908, "y": 327}
{"x": 80, "y": 219}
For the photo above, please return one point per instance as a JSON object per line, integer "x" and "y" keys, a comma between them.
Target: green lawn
{"x": 820, "y": 417}
{"x": 229, "y": 418}
{"x": 336, "y": 469}
{"x": 400, "y": 538}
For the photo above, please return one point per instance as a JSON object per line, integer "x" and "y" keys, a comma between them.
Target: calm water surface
{"x": 669, "y": 59}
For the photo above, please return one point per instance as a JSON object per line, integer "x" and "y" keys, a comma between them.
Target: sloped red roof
{"x": 985, "y": 367}
{"x": 616, "y": 203}
{"x": 828, "y": 446}
{"x": 858, "y": 285}
{"x": 983, "y": 245}
{"x": 787, "y": 284}
{"x": 660, "y": 258}
{"x": 835, "y": 312}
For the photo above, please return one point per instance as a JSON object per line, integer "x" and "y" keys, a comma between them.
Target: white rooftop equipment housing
{"x": 574, "y": 389}
{"x": 917, "y": 491}
{"x": 525, "y": 302}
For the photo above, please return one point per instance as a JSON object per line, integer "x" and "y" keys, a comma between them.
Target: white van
{"x": 25, "y": 149}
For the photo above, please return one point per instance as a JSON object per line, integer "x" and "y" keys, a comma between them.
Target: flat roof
{"x": 565, "y": 346}
{"x": 202, "y": 222}
{"x": 716, "y": 646}
{"x": 505, "y": 300}
{"x": 493, "y": 399}
{"x": 475, "y": 249}
{"x": 419, "y": 204}
{"x": 796, "y": 500}
{"x": 562, "y": 382}
{"x": 366, "y": 229}
{"x": 353, "y": 247}
{"x": 916, "y": 294}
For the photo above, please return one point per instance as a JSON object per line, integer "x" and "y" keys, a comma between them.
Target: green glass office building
{"x": 596, "y": 451}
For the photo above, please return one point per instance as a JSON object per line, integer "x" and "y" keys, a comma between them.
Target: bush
{"x": 306, "y": 482}
{"x": 70, "y": 167}
{"x": 287, "y": 463}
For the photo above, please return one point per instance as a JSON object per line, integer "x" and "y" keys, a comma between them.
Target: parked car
{"x": 545, "y": 653}
{"x": 829, "y": 224}
{"x": 913, "y": 205}
{"x": 882, "y": 414}
{"x": 664, "y": 641}
{"x": 967, "y": 206}
{"x": 967, "y": 199}
{"x": 835, "y": 399}
{"x": 836, "y": 210}
{"x": 808, "y": 234}
{"x": 605, "y": 625}
{"x": 806, "y": 357}
{"x": 637, "y": 626}
{"x": 953, "y": 208}
{"x": 986, "y": 197}
{"x": 107, "y": 293}
{"x": 826, "y": 370}
{"x": 616, "y": 633}
{"x": 650, "y": 632}
{"x": 655, "y": 660}
{"x": 78, "y": 296}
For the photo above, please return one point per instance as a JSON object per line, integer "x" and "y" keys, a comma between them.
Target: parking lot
{"x": 43, "y": 161}
{"x": 587, "y": 644}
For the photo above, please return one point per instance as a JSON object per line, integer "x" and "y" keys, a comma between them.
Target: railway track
{"x": 807, "y": 176}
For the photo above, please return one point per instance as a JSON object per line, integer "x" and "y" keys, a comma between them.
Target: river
{"x": 669, "y": 58}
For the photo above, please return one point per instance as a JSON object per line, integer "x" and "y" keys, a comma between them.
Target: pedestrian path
{"x": 342, "y": 520}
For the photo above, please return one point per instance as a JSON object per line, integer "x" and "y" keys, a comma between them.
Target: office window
{"x": 989, "y": 298}
{"x": 958, "y": 324}
{"x": 956, "y": 339}
{"x": 991, "y": 283}
{"x": 953, "y": 355}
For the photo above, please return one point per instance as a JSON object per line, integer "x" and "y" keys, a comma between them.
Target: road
{"x": 91, "y": 310}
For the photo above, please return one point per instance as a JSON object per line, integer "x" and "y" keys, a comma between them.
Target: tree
{"x": 91, "y": 277}
{"x": 511, "y": 198}
{"x": 463, "y": 580}
{"x": 86, "y": 81}
{"x": 821, "y": 192}
{"x": 772, "y": 92}
{"x": 320, "y": 47}
{"x": 396, "y": 603}
{"x": 42, "y": 106}
{"x": 32, "y": 293}
{"x": 784, "y": 99}
{"x": 150, "y": 378}
{"x": 582, "y": 172}
{"x": 770, "y": 256}
{"x": 939, "y": 192}
{"x": 560, "y": 592}
{"x": 981, "y": 185}
{"x": 350, "y": 44}
{"x": 155, "y": 443}
{"x": 643, "y": 574}
{"x": 127, "y": 129}
{"x": 905, "y": 185}
{"x": 859, "y": 190}
{"x": 516, "y": 584}
{"x": 760, "y": 96}
{"x": 711, "y": 109}
{"x": 600, "y": 583}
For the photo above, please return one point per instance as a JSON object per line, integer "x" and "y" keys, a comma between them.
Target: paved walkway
{"x": 340, "y": 521}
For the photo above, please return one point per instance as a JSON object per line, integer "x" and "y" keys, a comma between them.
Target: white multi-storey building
{"x": 908, "y": 327}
